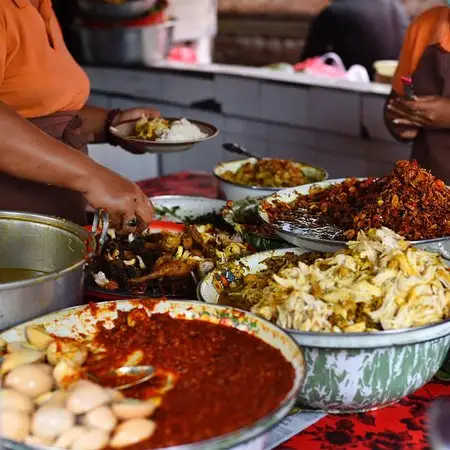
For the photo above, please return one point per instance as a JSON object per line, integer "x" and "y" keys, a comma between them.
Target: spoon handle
{"x": 235, "y": 148}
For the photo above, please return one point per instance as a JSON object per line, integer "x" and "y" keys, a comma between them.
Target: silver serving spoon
{"x": 235, "y": 148}
{"x": 145, "y": 373}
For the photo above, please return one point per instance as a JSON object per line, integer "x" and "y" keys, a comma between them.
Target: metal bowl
{"x": 236, "y": 191}
{"x": 128, "y": 9}
{"x": 352, "y": 372}
{"x": 292, "y": 234}
{"x": 54, "y": 247}
{"x": 73, "y": 321}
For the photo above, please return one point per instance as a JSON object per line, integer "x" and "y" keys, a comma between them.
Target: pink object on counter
{"x": 183, "y": 54}
{"x": 318, "y": 66}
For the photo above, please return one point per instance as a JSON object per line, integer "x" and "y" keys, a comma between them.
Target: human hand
{"x": 134, "y": 114}
{"x": 430, "y": 111}
{"x": 401, "y": 119}
{"x": 123, "y": 199}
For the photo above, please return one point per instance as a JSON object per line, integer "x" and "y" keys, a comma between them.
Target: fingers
{"x": 425, "y": 99}
{"x": 406, "y": 123}
{"x": 129, "y": 223}
{"x": 400, "y": 115}
{"x": 144, "y": 213}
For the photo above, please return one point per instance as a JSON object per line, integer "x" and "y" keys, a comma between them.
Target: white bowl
{"x": 235, "y": 191}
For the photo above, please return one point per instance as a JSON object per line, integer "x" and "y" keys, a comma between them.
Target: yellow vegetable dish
{"x": 268, "y": 173}
{"x": 380, "y": 282}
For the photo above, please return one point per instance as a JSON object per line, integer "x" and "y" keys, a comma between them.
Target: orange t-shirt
{"x": 38, "y": 76}
{"x": 431, "y": 28}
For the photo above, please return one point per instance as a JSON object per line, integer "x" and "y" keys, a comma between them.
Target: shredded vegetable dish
{"x": 221, "y": 379}
{"x": 380, "y": 282}
{"x": 269, "y": 173}
{"x": 409, "y": 200}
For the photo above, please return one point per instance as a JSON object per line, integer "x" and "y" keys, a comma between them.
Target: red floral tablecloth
{"x": 398, "y": 427}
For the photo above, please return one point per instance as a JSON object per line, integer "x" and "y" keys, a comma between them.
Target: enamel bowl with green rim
{"x": 81, "y": 321}
{"x": 352, "y": 372}
{"x": 236, "y": 191}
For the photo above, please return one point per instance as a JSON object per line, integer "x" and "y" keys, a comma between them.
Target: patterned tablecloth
{"x": 398, "y": 427}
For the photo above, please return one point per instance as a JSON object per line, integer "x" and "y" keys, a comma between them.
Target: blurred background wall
{"x": 260, "y": 32}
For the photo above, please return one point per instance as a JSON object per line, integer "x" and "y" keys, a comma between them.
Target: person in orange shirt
{"x": 45, "y": 126}
{"x": 425, "y": 118}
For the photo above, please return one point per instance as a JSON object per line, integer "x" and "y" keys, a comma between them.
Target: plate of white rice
{"x": 162, "y": 135}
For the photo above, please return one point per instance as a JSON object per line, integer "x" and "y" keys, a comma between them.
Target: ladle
{"x": 145, "y": 373}
{"x": 235, "y": 148}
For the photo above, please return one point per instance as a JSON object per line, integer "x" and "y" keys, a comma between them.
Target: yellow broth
{"x": 11, "y": 274}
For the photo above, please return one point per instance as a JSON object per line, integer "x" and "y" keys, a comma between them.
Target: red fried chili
{"x": 226, "y": 379}
{"x": 409, "y": 200}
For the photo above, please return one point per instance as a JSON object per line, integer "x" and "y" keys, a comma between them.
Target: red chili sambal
{"x": 226, "y": 379}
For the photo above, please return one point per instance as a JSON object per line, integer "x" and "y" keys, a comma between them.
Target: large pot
{"x": 130, "y": 9}
{"x": 55, "y": 248}
{"x": 126, "y": 45}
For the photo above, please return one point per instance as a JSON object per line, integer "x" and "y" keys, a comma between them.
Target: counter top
{"x": 300, "y": 79}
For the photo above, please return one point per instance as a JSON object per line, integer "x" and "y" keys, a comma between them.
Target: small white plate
{"x": 123, "y": 131}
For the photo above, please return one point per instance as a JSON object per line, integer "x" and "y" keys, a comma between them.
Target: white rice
{"x": 180, "y": 131}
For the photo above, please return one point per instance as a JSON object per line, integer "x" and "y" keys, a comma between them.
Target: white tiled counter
{"x": 336, "y": 124}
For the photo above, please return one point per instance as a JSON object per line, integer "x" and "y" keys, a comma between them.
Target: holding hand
{"x": 129, "y": 208}
{"x": 422, "y": 112}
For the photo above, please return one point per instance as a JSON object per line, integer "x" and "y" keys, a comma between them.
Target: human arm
{"x": 398, "y": 118}
{"x": 28, "y": 153}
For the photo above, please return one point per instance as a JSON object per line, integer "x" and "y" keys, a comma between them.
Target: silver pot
{"x": 55, "y": 248}
{"x": 125, "y": 46}
{"x": 129, "y": 9}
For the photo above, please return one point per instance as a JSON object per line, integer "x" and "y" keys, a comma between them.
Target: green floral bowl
{"x": 82, "y": 320}
{"x": 351, "y": 372}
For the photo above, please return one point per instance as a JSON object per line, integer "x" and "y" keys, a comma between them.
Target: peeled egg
{"x": 38, "y": 337}
{"x": 94, "y": 439}
{"x": 135, "y": 409}
{"x": 69, "y": 436}
{"x": 65, "y": 373}
{"x": 29, "y": 380}
{"x": 34, "y": 440}
{"x": 86, "y": 396}
{"x": 20, "y": 358}
{"x": 15, "y": 401}
{"x": 55, "y": 398}
{"x": 46, "y": 368}
{"x": 50, "y": 421}
{"x": 14, "y": 425}
{"x": 131, "y": 432}
{"x": 14, "y": 346}
{"x": 74, "y": 352}
{"x": 102, "y": 418}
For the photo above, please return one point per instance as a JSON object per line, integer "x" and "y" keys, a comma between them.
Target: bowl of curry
{"x": 259, "y": 178}
{"x": 234, "y": 375}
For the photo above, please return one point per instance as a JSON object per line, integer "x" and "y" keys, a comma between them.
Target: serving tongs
{"x": 100, "y": 227}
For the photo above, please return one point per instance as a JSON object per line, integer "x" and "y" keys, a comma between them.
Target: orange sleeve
{"x": 417, "y": 38}
{"x": 2, "y": 48}
{"x": 405, "y": 63}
